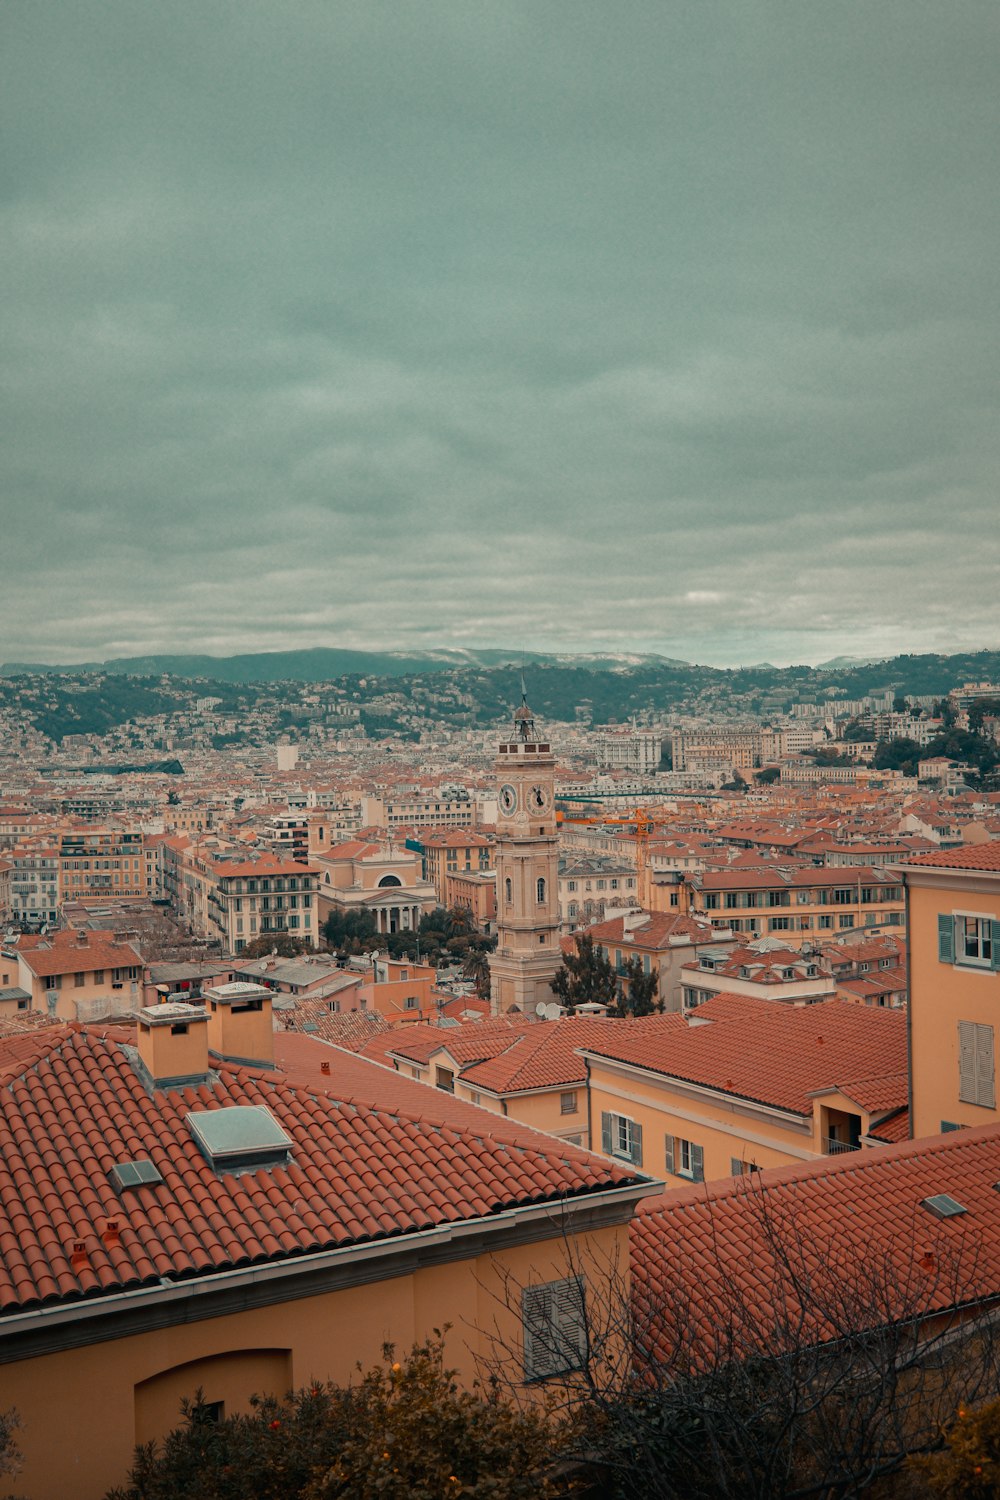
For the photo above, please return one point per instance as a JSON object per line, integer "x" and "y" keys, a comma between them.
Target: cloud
{"x": 666, "y": 328}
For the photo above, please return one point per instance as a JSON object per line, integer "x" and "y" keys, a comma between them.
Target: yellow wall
{"x": 725, "y": 1130}
{"x": 942, "y": 994}
{"x": 109, "y": 1396}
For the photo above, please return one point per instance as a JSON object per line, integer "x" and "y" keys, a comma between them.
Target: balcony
{"x": 836, "y": 1148}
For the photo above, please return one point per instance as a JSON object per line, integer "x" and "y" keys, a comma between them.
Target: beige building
{"x": 382, "y": 878}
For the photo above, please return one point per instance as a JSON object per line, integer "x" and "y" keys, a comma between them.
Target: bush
{"x": 404, "y": 1432}
{"x": 969, "y": 1466}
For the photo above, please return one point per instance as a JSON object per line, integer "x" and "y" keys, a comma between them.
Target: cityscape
{"x": 499, "y": 751}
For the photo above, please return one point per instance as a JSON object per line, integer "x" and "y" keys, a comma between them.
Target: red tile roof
{"x": 970, "y": 857}
{"x": 80, "y": 958}
{"x": 775, "y": 1054}
{"x": 547, "y": 1055}
{"x": 358, "y": 1172}
{"x": 746, "y": 1241}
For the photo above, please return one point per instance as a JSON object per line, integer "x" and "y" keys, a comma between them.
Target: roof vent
{"x": 133, "y": 1174}
{"x": 239, "y": 1138}
{"x": 942, "y": 1206}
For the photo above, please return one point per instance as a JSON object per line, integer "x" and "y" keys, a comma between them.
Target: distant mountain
{"x": 836, "y": 663}
{"x": 323, "y": 664}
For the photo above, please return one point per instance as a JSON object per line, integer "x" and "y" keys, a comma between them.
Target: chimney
{"x": 173, "y": 1045}
{"x": 240, "y": 1028}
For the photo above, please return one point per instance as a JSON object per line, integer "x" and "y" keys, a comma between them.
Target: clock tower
{"x": 527, "y": 865}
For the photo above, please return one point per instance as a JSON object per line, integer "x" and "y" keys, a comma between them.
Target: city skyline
{"x": 662, "y": 330}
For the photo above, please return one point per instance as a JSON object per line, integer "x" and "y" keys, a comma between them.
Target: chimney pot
{"x": 324, "y": 1067}
{"x": 79, "y": 1256}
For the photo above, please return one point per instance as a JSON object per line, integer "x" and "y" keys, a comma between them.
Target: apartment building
{"x": 453, "y": 852}
{"x": 101, "y": 864}
{"x": 953, "y": 923}
{"x": 796, "y": 903}
{"x": 744, "y": 1084}
{"x": 183, "y": 1231}
{"x": 34, "y": 886}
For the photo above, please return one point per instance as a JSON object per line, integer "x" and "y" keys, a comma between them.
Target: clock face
{"x": 538, "y": 799}
{"x": 508, "y": 799}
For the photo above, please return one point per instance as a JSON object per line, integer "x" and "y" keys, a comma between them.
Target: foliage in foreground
{"x": 969, "y": 1465}
{"x": 405, "y": 1431}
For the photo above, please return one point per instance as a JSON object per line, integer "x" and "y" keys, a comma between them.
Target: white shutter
{"x": 985, "y": 1089}
{"x": 967, "y": 1062}
{"x": 554, "y": 1328}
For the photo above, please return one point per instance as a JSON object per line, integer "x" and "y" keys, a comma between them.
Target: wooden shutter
{"x": 967, "y": 1062}
{"x": 569, "y": 1325}
{"x": 636, "y": 1152}
{"x": 606, "y": 1133}
{"x": 735, "y": 1166}
{"x": 946, "y": 938}
{"x": 995, "y": 944}
{"x": 985, "y": 1088}
{"x": 536, "y": 1302}
{"x": 670, "y": 1149}
{"x": 698, "y": 1163}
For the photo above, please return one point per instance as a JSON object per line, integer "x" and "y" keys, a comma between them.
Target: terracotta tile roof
{"x": 547, "y": 1055}
{"x": 893, "y": 1128}
{"x": 266, "y": 865}
{"x": 80, "y": 958}
{"x": 357, "y": 1173}
{"x": 779, "y": 1055}
{"x": 471, "y": 1042}
{"x": 878, "y": 1095}
{"x": 655, "y": 932}
{"x": 694, "y": 1247}
{"x": 970, "y": 857}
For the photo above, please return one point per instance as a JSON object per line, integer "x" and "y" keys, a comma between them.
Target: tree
{"x": 477, "y": 968}
{"x": 404, "y": 1431}
{"x": 768, "y": 776}
{"x": 979, "y": 710}
{"x": 811, "y": 1374}
{"x": 638, "y": 991}
{"x": 280, "y": 943}
{"x": 352, "y": 931}
{"x": 900, "y": 705}
{"x": 585, "y": 977}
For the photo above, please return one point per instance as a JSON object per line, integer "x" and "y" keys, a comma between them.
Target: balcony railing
{"x": 834, "y": 1148}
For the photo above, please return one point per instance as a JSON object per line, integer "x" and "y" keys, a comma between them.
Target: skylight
{"x": 943, "y": 1207}
{"x": 133, "y": 1174}
{"x": 240, "y": 1137}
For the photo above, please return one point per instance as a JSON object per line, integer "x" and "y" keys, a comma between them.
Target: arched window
{"x": 388, "y": 880}
{"x": 508, "y": 891}
{"x": 540, "y": 890}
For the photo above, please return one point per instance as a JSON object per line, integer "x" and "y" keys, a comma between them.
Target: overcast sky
{"x": 664, "y": 326}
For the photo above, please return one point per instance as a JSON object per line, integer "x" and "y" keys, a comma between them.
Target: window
{"x": 571, "y": 885}
{"x": 685, "y": 1159}
{"x": 965, "y": 938}
{"x": 508, "y": 890}
{"x": 445, "y": 1080}
{"x": 411, "y": 1003}
{"x": 847, "y": 921}
{"x": 975, "y": 1064}
{"x": 621, "y": 1136}
{"x": 79, "y": 980}
{"x": 739, "y": 1168}
{"x": 554, "y": 1328}
{"x": 540, "y": 890}
{"x": 711, "y": 900}
{"x": 567, "y": 1102}
{"x": 779, "y": 924}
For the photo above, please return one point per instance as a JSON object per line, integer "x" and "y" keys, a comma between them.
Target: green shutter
{"x": 606, "y": 1133}
{"x": 698, "y": 1163}
{"x": 946, "y": 938}
{"x": 995, "y": 944}
{"x": 670, "y": 1152}
{"x": 636, "y": 1145}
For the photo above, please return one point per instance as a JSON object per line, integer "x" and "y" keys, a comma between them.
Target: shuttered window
{"x": 976, "y": 1083}
{"x": 969, "y": 939}
{"x": 685, "y": 1159}
{"x": 554, "y": 1328}
{"x": 621, "y": 1136}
